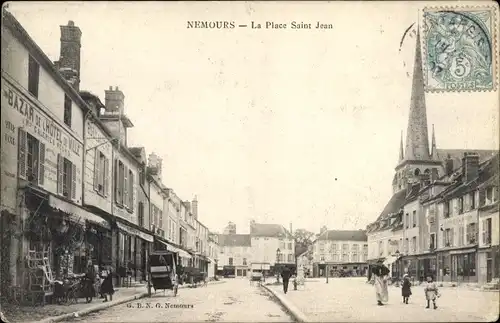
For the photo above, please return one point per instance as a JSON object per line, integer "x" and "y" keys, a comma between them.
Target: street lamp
{"x": 278, "y": 254}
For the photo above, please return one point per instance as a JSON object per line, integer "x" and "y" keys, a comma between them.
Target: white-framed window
{"x": 31, "y": 158}
{"x": 101, "y": 173}
{"x": 66, "y": 177}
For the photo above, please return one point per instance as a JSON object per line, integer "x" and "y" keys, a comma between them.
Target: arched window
{"x": 427, "y": 171}
{"x": 417, "y": 172}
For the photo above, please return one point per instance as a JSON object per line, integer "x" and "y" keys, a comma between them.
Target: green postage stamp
{"x": 460, "y": 48}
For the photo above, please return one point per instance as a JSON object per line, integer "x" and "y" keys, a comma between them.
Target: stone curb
{"x": 92, "y": 309}
{"x": 296, "y": 313}
{"x": 106, "y": 305}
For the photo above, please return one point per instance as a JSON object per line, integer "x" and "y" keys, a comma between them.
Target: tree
{"x": 303, "y": 239}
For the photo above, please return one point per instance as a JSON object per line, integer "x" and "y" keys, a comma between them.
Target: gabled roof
{"x": 344, "y": 235}
{"x": 457, "y": 154}
{"x": 268, "y": 230}
{"x": 234, "y": 240}
{"x": 396, "y": 202}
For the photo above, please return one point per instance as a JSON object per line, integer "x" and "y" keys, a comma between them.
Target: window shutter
{"x": 125, "y": 186}
{"x": 482, "y": 197}
{"x": 21, "y": 146}
{"x": 106, "y": 177}
{"x": 60, "y": 173}
{"x": 73, "y": 181}
{"x": 97, "y": 166}
{"x": 452, "y": 236}
{"x": 484, "y": 231}
{"x": 117, "y": 182}
{"x": 41, "y": 163}
{"x": 131, "y": 191}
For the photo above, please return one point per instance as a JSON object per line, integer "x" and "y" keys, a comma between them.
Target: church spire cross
{"x": 417, "y": 138}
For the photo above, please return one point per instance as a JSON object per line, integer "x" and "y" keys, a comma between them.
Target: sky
{"x": 278, "y": 126}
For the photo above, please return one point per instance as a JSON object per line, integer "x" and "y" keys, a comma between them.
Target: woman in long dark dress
{"x": 406, "y": 289}
{"x": 107, "y": 284}
{"x": 89, "y": 280}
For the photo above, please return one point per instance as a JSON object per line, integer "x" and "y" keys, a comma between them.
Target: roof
{"x": 457, "y": 154}
{"x": 18, "y": 31}
{"x": 268, "y": 230}
{"x": 234, "y": 240}
{"x": 396, "y": 202}
{"x": 344, "y": 235}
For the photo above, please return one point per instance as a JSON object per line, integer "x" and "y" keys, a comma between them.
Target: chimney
{"x": 470, "y": 167}
{"x": 155, "y": 164}
{"x": 194, "y": 203}
{"x": 448, "y": 166}
{"x": 188, "y": 206}
{"x": 69, "y": 57}
{"x": 114, "y": 100}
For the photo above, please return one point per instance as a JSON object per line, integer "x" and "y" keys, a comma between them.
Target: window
{"x": 491, "y": 195}
{"x": 33, "y": 76}
{"x": 406, "y": 247}
{"x": 67, "y": 110}
{"x": 414, "y": 218}
{"x": 66, "y": 177}
{"x": 140, "y": 216}
{"x": 335, "y": 257}
{"x": 461, "y": 205}
{"x": 230, "y": 261}
{"x": 461, "y": 236}
{"x": 414, "y": 244}
{"x": 448, "y": 237}
{"x": 487, "y": 231}
{"x": 290, "y": 258}
{"x": 365, "y": 248}
{"x": 345, "y": 257}
{"x": 289, "y": 246}
{"x": 446, "y": 208}
{"x": 345, "y": 246}
{"x": 101, "y": 173}
{"x": 432, "y": 243}
{"x": 130, "y": 190}
{"x": 282, "y": 245}
{"x": 407, "y": 220}
{"x": 355, "y": 247}
{"x": 380, "y": 248}
{"x": 472, "y": 199}
{"x": 244, "y": 261}
{"x": 31, "y": 158}
{"x": 354, "y": 257}
{"x": 472, "y": 233}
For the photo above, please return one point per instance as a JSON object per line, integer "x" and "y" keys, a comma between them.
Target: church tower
{"x": 417, "y": 162}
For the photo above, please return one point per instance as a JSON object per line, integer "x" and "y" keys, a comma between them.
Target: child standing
{"x": 406, "y": 289}
{"x": 431, "y": 292}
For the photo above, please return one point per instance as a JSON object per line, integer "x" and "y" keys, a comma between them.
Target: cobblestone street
{"x": 233, "y": 301}
{"x": 352, "y": 299}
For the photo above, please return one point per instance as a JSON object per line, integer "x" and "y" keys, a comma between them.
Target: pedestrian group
{"x": 379, "y": 274}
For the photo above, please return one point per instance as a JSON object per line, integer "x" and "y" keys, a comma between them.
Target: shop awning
{"x": 184, "y": 254}
{"x": 135, "y": 232}
{"x": 77, "y": 214}
{"x": 390, "y": 260}
{"x": 179, "y": 251}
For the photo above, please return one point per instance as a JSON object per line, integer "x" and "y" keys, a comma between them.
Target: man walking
{"x": 285, "y": 275}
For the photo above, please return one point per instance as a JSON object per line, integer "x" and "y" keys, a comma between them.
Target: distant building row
{"x": 443, "y": 217}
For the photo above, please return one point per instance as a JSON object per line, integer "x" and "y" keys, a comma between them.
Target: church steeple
{"x": 417, "y": 138}
{"x": 434, "y": 153}
{"x": 401, "y": 152}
